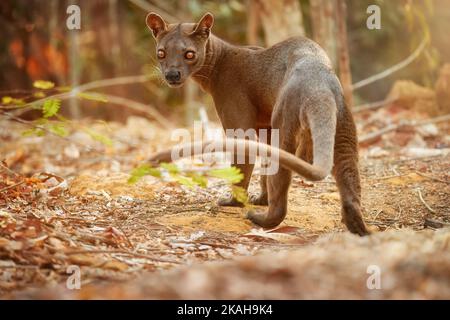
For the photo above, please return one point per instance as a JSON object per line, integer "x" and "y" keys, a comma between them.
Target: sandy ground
{"x": 89, "y": 216}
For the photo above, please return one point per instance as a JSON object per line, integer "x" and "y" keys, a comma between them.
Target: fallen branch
{"x": 435, "y": 224}
{"x": 124, "y": 252}
{"x": 423, "y": 201}
{"x": 392, "y": 127}
{"x": 373, "y": 105}
{"x": 138, "y": 106}
{"x": 12, "y": 186}
{"x": 432, "y": 178}
{"x": 4, "y": 166}
{"x": 394, "y": 68}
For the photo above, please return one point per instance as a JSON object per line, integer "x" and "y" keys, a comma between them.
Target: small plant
{"x": 191, "y": 179}
{"x": 51, "y": 121}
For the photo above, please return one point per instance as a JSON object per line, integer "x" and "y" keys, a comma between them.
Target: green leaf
{"x": 7, "y": 100}
{"x": 185, "y": 181}
{"x": 92, "y": 96}
{"x": 39, "y": 95}
{"x": 33, "y": 132}
{"x": 141, "y": 171}
{"x": 51, "y": 107}
{"x": 170, "y": 167}
{"x": 232, "y": 174}
{"x": 61, "y": 118}
{"x": 64, "y": 89}
{"x": 240, "y": 194}
{"x": 42, "y": 122}
{"x": 42, "y": 84}
{"x": 99, "y": 137}
{"x": 10, "y": 100}
{"x": 59, "y": 129}
{"x": 199, "y": 180}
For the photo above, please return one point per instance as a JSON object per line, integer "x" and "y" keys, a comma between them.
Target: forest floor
{"x": 62, "y": 205}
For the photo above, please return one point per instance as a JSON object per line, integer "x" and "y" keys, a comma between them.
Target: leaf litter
{"x": 81, "y": 210}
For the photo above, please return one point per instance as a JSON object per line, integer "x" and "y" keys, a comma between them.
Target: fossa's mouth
{"x": 175, "y": 84}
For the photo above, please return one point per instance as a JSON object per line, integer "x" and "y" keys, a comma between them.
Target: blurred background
{"x": 82, "y": 110}
{"x": 115, "y": 42}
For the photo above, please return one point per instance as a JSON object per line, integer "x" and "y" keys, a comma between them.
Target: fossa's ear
{"x": 204, "y": 26}
{"x": 155, "y": 23}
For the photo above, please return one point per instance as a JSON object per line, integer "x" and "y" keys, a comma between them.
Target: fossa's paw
{"x": 259, "y": 200}
{"x": 229, "y": 201}
{"x": 261, "y": 218}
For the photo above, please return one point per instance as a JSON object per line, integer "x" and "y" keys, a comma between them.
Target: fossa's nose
{"x": 173, "y": 76}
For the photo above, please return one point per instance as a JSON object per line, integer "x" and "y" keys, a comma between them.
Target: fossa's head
{"x": 180, "y": 48}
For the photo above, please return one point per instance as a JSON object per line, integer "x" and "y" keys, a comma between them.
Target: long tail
{"x": 286, "y": 159}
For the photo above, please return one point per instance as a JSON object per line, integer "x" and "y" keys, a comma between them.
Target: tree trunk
{"x": 280, "y": 19}
{"x": 330, "y": 32}
{"x": 345, "y": 74}
{"x": 253, "y": 22}
{"x": 324, "y": 26}
{"x": 75, "y": 67}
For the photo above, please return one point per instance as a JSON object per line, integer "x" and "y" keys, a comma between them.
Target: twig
{"x": 421, "y": 158}
{"x": 85, "y": 87}
{"x": 215, "y": 245}
{"x": 12, "y": 186}
{"x": 21, "y": 266}
{"x": 432, "y": 223}
{"x": 432, "y": 178}
{"x": 3, "y": 165}
{"x": 373, "y": 105}
{"x": 126, "y": 237}
{"x": 137, "y": 106}
{"x": 389, "y": 177}
{"x": 423, "y": 201}
{"x": 377, "y": 214}
{"x": 393, "y": 127}
{"x": 30, "y": 124}
{"x": 137, "y": 255}
{"x": 394, "y": 68}
{"x": 144, "y": 5}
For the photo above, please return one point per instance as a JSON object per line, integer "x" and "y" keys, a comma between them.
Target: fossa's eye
{"x": 189, "y": 55}
{"x": 161, "y": 54}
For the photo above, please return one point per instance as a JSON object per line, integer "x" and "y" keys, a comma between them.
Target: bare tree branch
{"x": 373, "y": 135}
{"x": 373, "y": 105}
{"x": 85, "y": 87}
{"x": 141, "y": 107}
{"x": 144, "y": 5}
{"x": 394, "y": 68}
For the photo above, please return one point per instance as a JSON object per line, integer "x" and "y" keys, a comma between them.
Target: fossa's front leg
{"x": 238, "y": 114}
{"x": 262, "y": 198}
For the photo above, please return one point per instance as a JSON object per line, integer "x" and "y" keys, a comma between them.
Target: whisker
{"x": 201, "y": 76}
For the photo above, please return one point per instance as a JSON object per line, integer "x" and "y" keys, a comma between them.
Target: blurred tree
{"x": 329, "y": 29}
{"x": 345, "y": 73}
{"x": 114, "y": 41}
{"x": 324, "y": 26}
{"x": 279, "y": 19}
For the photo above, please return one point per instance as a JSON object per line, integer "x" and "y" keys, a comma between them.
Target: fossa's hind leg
{"x": 305, "y": 146}
{"x": 322, "y": 123}
{"x": 346, "y": 173}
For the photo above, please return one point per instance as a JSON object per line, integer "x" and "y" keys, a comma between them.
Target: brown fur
{"x": 290, "y": 87}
